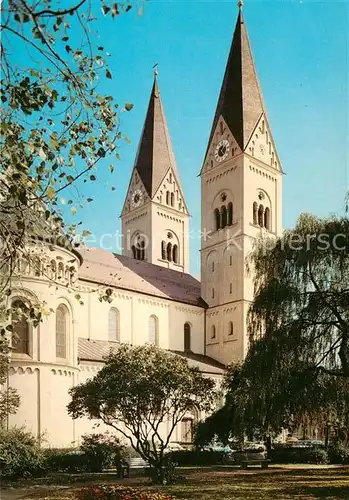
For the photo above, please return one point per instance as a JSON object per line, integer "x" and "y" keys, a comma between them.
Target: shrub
{"x": 20, "y": 453}
{"x": 188, "y": 457}
{"x": 284, "y": 454}
{"x": 101, "y": 451}
{"x": 338, "y": 453}
{"x": 72, "y": 461}
{"x": 97, "y": 452}
{"x": 118, "y": 492}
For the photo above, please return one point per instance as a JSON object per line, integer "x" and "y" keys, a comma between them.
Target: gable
{"x": 170, "y": 190}
{"x": 136, "y": 186}
{"x": 261, "y": 145}
{"x": 221, "y": 133}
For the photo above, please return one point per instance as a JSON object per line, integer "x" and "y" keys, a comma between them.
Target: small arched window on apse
{"x": 261, "y": 216}
{"x": 223, "y": 216}
{"x": 187, "y": 337}
{"x": 114, "y": 325}
{"x": 267, "y": 218}
{"x": 167, "y": 197}
{"x": 213, "y": 332}
{"x": 62, "y": 315}
{"x": 212, "y": 266}
{"x": 60, "y": 270}
{"x": 230, "y": 328}
{"x": 153, "y": 332}
{"x": 163, "y": 250}
{"x": 255, "y": 213}
{"x": 169, "y": 252}
{"x": 172, "y": 199}
{"x": 53, "y": 269}
{"x": 217, "y": 218}
{"x": 20, "y": 328}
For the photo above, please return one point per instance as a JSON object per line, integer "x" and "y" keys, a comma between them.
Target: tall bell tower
{"x": 155, "y": 219}
{"x": 241, "y": 193}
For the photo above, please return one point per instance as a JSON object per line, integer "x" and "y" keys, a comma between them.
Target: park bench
{"x": 136, "y": 464}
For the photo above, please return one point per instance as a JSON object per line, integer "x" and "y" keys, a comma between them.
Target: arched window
{"x": 230, "y": 214}
{"x": 20, "y": 329}
{"x": 163, "y": 250}
{"x": 267, "y": 218}
{"x": 172, "y": 199}
{"x": 153, "y": 333}
{"x": 223, "y": 217}
{"x": 53, "y": 269}
{"x": 61, "y": 331}
{"x": 230, "y": 328}
{"x": 114, "y": 325}
{"x": 175, "y": 254}
{"x": 167, "y": 197}
{"x": 60, "y": 270}
{"x": 217, "y": 217}
{"x": 261, "y": 215}
{"x": 212, "y": 266}
{"x": 169, "y": 252}
{"x": 134, "y": 253}
{"x": 187, "y": 337}
{"x": 255, "y": 213}
{"x": 213, "y": 293}
{"x": 213, "y": 332}
{"x": 231, "y": 288}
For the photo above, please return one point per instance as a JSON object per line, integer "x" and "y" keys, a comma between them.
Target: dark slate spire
{"x": 240, "y": 101}
{"x": 155, "y": 155}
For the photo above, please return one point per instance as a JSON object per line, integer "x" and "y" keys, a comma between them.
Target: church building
{"x": 154, "y": 297}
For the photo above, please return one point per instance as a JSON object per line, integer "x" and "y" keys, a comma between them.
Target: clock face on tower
{"x": 136, "y": 199}
{"x": 222, "y": 150}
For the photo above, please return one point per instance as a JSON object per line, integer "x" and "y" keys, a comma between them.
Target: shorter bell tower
{"x": 155, "y": 219}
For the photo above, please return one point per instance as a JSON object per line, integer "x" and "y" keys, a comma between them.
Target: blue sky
{"x": 301, "y": 54}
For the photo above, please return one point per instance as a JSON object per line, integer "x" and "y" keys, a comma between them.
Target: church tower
{"x": 155, "y": 219}
{"x": 241, "y": 181}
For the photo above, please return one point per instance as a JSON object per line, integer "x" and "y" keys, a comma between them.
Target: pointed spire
{"x": 240, "y": 101}
{"x": 155, "y": 155}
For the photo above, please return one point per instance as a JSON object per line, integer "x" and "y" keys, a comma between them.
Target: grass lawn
{"x": 272, "y": 484}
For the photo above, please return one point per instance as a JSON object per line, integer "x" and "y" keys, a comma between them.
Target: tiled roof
{"x": 97, "y": 350}
{"x": 118, "y": 271}
{"x": 155, "y": 155}
{"x": 240, "y": 101}
{"x": 205, "y": 363}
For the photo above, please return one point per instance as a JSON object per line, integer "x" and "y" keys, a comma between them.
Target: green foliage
{"x": 101, "y": 451}
{"x": 118, "y": 492}
{"x": 338, "y": 453}
{"x": 70, "y": 461}
{"x": 20, "y": 453}
{"x": 96, "y": 453}
{"x": 291, "y": 454}
{"x": 138, "y": 389}
{"x": 297, "y": 368}
{"x": 193, "y": 457}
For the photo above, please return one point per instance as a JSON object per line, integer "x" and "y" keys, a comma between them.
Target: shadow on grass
{"x": 204, "y": 484}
